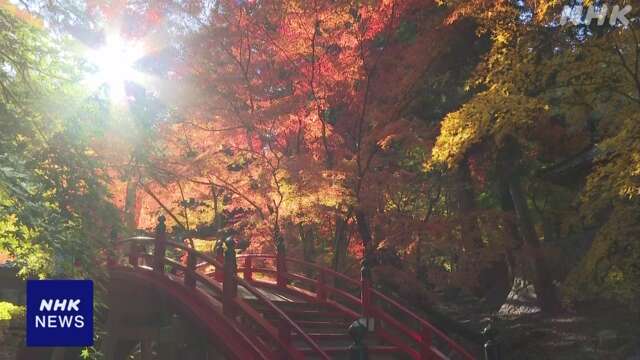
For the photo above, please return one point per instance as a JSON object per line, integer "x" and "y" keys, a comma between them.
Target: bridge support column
{"x": 230, "y": 283}
{"x": 281, "y": 262}
{"x": 160, "y": 247}
{"x": 107, "y": 347}
{"x": 189, "y": 278}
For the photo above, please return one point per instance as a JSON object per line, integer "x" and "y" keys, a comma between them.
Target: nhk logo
{"x": 59, "y": 313}
{"x": 576, "y": 14}
{"x": 63, "y": 321}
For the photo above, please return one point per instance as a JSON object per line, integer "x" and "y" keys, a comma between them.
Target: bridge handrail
{"x": 422, "y": 322}
{"x": 423, "y": 336}
{"x": 213, "y": 261}
{"x": 270, "y": 304}
{"x": 281, "y": 314}
{"x": 305, "y": 263}
{"x": 326, "y": 270}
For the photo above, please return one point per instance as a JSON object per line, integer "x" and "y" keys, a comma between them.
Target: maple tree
{"x": 296, "y": 116}
{"x": 467, "y": 143}
{"x": 296, "y": 134}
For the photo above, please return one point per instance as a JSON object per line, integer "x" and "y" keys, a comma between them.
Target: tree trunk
{"x": 511, "y": 228}
{"x": 308, "y": 242}
{"x": 363, "y": 229}
{"x": 509, "y": 160}
{"x": 466, "y": 205}
{"x": 367, "y": 243}
{"x": 492, "y": 280}
{"x": 130, "y": 204}
{"x": 543, "y": 281}
{"x": 340, "y": 243}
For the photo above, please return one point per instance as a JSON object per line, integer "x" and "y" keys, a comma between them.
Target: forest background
{"x": 473, "y": 144}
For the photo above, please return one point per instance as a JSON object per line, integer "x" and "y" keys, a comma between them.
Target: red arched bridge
{"x": 253, "y": 306}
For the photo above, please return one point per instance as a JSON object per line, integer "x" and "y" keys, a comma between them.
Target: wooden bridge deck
{"x": 262, "y": 310}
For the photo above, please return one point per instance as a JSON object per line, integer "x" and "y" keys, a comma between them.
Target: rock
{"x": 522, "y": 299}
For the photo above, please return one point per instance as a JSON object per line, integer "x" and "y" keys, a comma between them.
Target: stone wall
{"x": 12, "y": 334}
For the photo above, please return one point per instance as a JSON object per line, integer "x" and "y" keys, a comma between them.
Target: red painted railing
{"x": 392, "y": 321}
{"x": 234, "y": 307}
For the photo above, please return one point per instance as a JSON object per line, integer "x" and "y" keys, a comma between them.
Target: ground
{"x": 605, "y": 334}
{"x": 601, "y": 331}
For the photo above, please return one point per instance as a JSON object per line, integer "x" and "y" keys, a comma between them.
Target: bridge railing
{"x": 149, "y": 253}
{"x": 386, "y": 316}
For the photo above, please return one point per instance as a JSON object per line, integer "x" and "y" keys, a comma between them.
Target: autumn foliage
{"x": 433, "y": 130}
{"x": 464, "y": 143}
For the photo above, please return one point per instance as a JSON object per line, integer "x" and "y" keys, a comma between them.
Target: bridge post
{"x": 321, "y": 291}
{"x": 491, "y": 346}
{"x": 281, "y": 262}
{"x": 426, "y": 342}
{"x": 134, "y": 254}
{"x": 219, "y": 249}
{"x": 358, "y": 350}
{"x": 230, "y": 282}
{"x": 248, "y": 270}
{"x": 189, "y": 278}
{"x": 365, "y": 283}
{"x": 160, "y": 247}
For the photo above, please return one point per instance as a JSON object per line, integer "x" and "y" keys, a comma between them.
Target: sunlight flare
{"x": 115, "y": 62}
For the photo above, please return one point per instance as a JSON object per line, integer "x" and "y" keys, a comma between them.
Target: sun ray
{"x": 115, "y": 62}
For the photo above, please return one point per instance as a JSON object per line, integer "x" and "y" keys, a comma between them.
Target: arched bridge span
{"x": 269, "y": 306}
